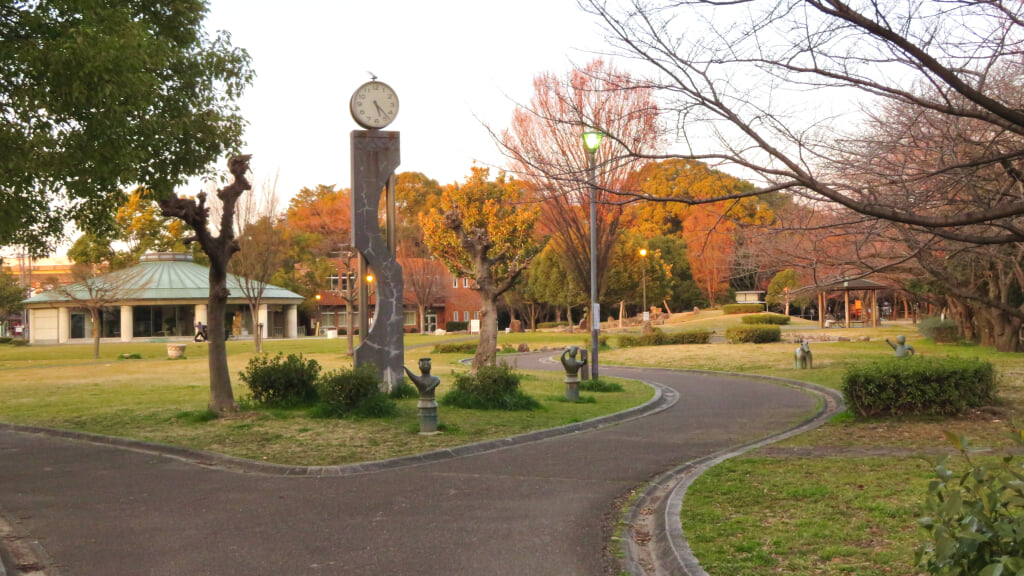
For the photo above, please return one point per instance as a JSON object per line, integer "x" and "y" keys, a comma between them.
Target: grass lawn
{"x": 161, "y": 400}
{"x": 843, "y": 499}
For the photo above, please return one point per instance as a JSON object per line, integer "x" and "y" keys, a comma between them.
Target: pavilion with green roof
{"x": 163, "y": 296}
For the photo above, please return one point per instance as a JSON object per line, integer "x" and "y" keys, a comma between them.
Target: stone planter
{"x": 175, "y": 351}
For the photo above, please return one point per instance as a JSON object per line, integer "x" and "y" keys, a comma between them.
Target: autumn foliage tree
{"x": 483, "y": 230}
{"x": 544, "y": 146}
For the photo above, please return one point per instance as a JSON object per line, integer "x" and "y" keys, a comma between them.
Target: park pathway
{"x": 539, "y": 508}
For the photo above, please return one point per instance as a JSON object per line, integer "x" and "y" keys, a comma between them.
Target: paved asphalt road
{"x": 532, "y": 509}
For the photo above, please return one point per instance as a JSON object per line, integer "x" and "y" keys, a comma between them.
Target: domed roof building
{"x": 164, "y": 296}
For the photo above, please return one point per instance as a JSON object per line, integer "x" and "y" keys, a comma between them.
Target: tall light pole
{"x": 592, "y": 141}
{"x": 643, "y": 275}
{"x": 316, "y": 327}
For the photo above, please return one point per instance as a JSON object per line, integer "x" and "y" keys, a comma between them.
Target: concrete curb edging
{"x": 654, "y": 515}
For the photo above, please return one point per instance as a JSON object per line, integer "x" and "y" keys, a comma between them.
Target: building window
{"x": 465, "y": 282}
{"x": 476, "y": 315}
{"x": 332, "y": 283}
{"x": 410, "y": 318}
{"x": 465, "y": 316}
{"x": 455, "y": 281}
{"x": 348, "y": 282}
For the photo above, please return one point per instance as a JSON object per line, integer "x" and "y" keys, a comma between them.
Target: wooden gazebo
{"x": 847, "y": 286}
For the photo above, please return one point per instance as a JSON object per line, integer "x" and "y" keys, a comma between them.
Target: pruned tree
{"x": 544, "y": 146}
{"x": 220, "y": 249}
{"x": 261, "y": 249}
{"x": 11, "y": 296}
{"x": 761, "y": 86}
{"x": 483, "y": 230}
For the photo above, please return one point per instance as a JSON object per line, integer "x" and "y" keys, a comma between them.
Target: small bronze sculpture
{"x": 901, "y": 347}
{"x": 572, "y": 370}
{"x": 802, "y": 358}
{"x": 426, "y": 383}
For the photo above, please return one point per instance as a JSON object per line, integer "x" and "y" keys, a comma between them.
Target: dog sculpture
{"x": 803, "y": 358}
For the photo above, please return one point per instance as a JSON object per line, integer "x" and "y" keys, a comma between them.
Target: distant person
{"x": 200, "y": 332}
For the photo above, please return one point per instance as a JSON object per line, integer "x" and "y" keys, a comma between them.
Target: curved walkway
{"x": 539, "y": 505}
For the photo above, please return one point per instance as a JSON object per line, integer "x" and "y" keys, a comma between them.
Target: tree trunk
{"x": 350, "y": 329}
{"x": 622, "y": 311}
{"x": 257, "y": 334}
{"x": 222, "y": 398}
{"x": 422, "y": 310}
{"x": 96, "y": 333}
{"x": 487, "y": 349}
{"x": 569, "y": 316}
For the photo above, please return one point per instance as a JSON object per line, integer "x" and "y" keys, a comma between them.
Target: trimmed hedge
{"x": 452, "y": 326}
{"x": 917, "y": 386}
{"x": 280, "y": 381}
{"x": 490, "y": 388}
{"x": 551, "y": 324}
{"x": 768, "y": 318}
{"x": 753, "y": 333}
{"x": 742, "y": 308}
{"x": 939, "y": 330}
{"x": 659, "y": 338}
{"x": 456, "y": 348}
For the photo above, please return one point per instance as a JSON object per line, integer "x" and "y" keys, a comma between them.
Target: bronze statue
{"x": 803, "y": 358}
{"x": 901, "y": 347}
{"x": 572, "y": 372}
{"x": 426, "y": 383}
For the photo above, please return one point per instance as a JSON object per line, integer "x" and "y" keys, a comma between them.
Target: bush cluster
{"x": 974, "y": 518}
{"x": 659, "y": 338}
{"x": 356, "y": 391}
{"x": 753, "y": 333}
{"x": 767, "y": 318}
{"x": 280, "y": 381}
{"x": 456, "y": 348}
{"x": 490, "y": 388}
{"x": 747, "y": 308}
{"x": 939, "y": 330}
{"x": 292, "y": 381}
{"x": 452, "y": 326}
{"x": 905, "y": 386}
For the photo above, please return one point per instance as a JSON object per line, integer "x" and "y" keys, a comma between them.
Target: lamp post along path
{"x": 643, "y": 282}
{"x": 592, "y": 141}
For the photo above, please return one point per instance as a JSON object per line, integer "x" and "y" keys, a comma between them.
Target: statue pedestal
{"x": 572, "y": 388}
{"x": 427, "y": 412}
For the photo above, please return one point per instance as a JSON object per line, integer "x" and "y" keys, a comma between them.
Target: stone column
{"x": 63, "y": 325}
{"x": 291, "y": 321}
{"x": 261, "y": 318}
{"x": 200, "y": 313}
{"x": 127, "y": 324}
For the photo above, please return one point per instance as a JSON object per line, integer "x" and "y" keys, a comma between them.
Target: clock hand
{"x": 379, "y": 109}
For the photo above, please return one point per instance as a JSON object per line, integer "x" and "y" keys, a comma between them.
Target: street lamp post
{"x": 643, "y": 275}
{"x": 592, "y": 141}
{"x": 317, "y": 324}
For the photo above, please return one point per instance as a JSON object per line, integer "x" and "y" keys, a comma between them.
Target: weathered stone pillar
{"x": 201, "y": 313}
{"x": 127, "y": 324}
{"x": 291, "y": 321}
{"x": 63, "y": 325}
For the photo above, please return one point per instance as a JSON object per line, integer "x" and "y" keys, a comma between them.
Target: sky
{"x": 455, "y": 64}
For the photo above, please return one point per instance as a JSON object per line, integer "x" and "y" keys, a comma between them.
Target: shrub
{"x": 490, "y": 388}
{"x": 130, "y": 356}
{"x": 747, "y": 308}
{"x": 456, "y": 348}
{"x": 356, "y": 391}
{"x": 939, "y": 330}
{"x": 602, "y": 341}
{"x": 280, "y": 381}
{"x": 5, "y": 339}
{"x": 404, "y": 390}
{"x": 777, "y": 319}
{"x": 974, "y": 521}
{"x": 659, "y": 338}
{"x": 753, "y": 333}
{"x": 599, "y": 385}
{"x": 19, "y": 342}
{"x": 451, "y": 326}
{"x": 899, "y": 386}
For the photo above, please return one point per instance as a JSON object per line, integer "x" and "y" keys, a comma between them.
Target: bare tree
{"x": 424, "y": 279}
{"x": 95, "y": 292}
{"x": 758, "y": 86}
{"x": 220, "y": 249}
{"x": 261, "y": 249}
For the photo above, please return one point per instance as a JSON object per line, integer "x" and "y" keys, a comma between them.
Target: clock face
{"x": 374, "y": 105}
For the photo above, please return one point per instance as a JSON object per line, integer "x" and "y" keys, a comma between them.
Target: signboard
{"x": 474, "y": 326}
{"x": 596, "y": 324}
{"x": 647, "y": 316}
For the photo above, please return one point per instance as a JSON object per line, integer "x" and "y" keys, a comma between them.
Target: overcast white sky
{"x": 454, "y": 64}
